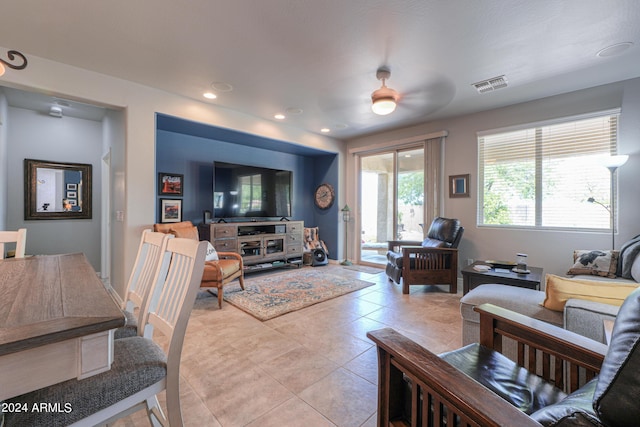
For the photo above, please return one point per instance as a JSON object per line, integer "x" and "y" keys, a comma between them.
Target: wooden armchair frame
{"x": 442, "y": 395}
{"x": 427, "y": 265}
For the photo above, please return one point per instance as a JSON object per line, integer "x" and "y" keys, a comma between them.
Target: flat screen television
{"x": 243, "y": 191}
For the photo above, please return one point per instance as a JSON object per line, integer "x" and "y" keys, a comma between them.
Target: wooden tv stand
{"x": 262, "y": 244}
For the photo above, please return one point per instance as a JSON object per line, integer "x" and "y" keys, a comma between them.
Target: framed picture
{"x": 170, "y": 210}
{"x": 170, "y": 184}
{"x": 459, "y": 185}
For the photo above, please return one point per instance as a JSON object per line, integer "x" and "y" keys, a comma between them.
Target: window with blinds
{"x": 550, "y": 175}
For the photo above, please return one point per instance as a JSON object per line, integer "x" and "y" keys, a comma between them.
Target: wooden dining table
{"x": 56, "y": 322}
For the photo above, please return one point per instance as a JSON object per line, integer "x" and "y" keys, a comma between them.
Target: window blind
{"x": 545, "y": 175}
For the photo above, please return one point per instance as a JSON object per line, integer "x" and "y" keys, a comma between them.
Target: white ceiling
{"x": 321, "y": 56}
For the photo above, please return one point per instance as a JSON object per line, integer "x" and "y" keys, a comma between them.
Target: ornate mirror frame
{"x": 68, "y": 195}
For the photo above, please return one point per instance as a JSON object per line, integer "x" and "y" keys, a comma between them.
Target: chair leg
{"x": 220, "y": 291}
{"x": 405, "y": 286}
{"x": 154, "y": 412}
{"x": 241, "y": 280}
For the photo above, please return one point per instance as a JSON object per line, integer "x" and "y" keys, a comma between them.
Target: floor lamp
{"x": 346, "y": 217}
{"x": 613, "y": 163}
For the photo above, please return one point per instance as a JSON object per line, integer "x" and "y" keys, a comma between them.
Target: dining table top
{"x": 46, "y": 299}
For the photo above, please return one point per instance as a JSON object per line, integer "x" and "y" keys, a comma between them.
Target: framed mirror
{"x": 55, "y": 190}
{"x": 459, "y": 185}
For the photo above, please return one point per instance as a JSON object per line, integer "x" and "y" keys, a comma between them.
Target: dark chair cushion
{"x": 443, "y": 230}
{"x": 523, "y": 389}
{"x": 138, "y": 363}
{"x": 435, "y": 243}
{"x": 618, "y": 388}
{"x": 395, "y": 259}
{"x": 575, "y": 410}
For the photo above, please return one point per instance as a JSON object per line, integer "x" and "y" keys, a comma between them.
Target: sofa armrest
{"x": 587, "y": 318}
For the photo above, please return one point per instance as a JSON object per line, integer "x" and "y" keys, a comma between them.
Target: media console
{"x": 262, "y": 245}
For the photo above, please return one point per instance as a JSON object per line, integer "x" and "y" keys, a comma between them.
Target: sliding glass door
{"x": 391, "y": 200}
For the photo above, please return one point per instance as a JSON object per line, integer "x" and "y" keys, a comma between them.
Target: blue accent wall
{"x": 189, "y": 148}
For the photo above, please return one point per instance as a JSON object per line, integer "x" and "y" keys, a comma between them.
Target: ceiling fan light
{"x": 384, "y": 101}
{"x": 383, "y": 106}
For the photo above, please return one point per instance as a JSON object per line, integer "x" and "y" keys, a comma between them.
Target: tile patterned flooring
{"x": 312, "y": 367}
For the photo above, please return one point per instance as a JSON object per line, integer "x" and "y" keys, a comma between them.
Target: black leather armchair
{"x": 560, "y": 378}
{"x": 434, "y": 261}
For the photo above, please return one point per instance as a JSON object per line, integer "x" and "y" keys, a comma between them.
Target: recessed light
{"x": 615, "y": 49}
{"x": 221, "y": 87}
{"x": 279, "y": 116}
{"x": 325, "y": 130}
{"x": 209, "y": 95}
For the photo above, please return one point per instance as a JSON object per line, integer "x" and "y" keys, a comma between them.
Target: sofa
{"x": 583, "y": 316}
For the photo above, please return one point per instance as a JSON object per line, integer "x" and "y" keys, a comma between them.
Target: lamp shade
{"x": 614, "y": 162}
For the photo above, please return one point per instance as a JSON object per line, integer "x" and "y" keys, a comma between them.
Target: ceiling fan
{"x": 384, "y": 100}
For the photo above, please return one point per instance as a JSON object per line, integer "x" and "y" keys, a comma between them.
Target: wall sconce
{"x": 346, "y": 217}
{"x": 12, "y": 54}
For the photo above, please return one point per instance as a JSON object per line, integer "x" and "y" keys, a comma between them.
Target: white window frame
{"x": 538, "y": 179}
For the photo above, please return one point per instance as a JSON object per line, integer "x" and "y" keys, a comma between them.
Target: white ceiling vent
{"x": 493, "y": 83}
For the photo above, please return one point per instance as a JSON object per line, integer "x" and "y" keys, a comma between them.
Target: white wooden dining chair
{"x": 152, "y": 246}
{"x": 18, "y": 237}
{"x": 141, "y": 368}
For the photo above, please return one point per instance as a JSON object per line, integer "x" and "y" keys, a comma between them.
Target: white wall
{"x": 136, "y": 182}
{"x": 3, "y": 161}
{"x": 34, "y": 135}
{"x": 551, "y": 250}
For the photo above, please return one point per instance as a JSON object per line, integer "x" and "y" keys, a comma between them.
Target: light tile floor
{"x": 313, "y": 367}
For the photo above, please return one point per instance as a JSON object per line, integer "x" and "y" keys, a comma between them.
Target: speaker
{"x": 319, "y": 257}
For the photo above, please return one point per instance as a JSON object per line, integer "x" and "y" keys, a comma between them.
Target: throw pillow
{"x": 597, "y": 263}
{"x": 561, "y": 289}
{"x": 185, "y": 232}
{"x": 211, "y": 255}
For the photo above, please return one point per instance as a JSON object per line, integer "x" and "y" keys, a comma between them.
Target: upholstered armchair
{"x": 217, "y": 273}
{"x": 434, "y": 261}
{"x": 559, "y": 379}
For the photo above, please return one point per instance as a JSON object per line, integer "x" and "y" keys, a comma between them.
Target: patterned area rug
{"x": 271, "y": 296}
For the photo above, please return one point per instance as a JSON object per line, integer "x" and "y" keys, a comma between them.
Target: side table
{"x": 472, "y": 278}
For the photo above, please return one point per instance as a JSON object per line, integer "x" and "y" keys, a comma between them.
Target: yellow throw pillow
{"x": 560, "y": 289}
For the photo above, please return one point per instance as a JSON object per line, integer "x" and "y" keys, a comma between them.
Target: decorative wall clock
{"x": 324, "y": 196}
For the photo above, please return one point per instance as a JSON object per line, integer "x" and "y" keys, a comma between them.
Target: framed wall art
{"x": 55, "y": 190}
{"x": 170, "y": 184}
{"x": 459, "y": 185}
{"x": 170, "y": 210}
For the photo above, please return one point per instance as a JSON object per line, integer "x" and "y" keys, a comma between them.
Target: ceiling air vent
{"x": 491, "y": 84}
